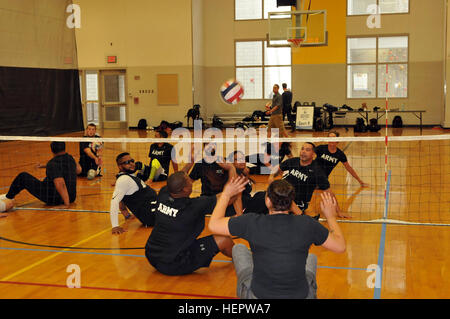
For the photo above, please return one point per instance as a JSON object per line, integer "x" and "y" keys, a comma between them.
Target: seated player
{"x": 160, "y": 157}
{"x": 329, "y": 155}
{"x": 238, "y": 160}
{"x": 173, "y": 247}
{"x": 304, "y": 174}
{"x": 131, "y": 193}
{"x": 90, "y": 154}
{"x": 60, "y": 184}
{"x": 262, "y": 164}
{"x": 278, "y": 264}
{"x": 212, "y": 171}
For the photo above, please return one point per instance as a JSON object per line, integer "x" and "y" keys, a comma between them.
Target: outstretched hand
{"x": 328, "y": 204}
{"x": 235, "y": 186}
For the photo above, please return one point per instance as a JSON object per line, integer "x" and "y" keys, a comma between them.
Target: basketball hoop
{"x": 295, "y": 42}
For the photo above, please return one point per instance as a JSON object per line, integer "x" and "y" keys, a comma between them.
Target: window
{"x": 368, "y": 59}
{"x": 259, "y": 67}
{"x": 361, "y": 7}
{"x": 256, "y": 9}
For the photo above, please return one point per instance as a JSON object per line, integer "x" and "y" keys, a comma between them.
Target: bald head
{"x": 177, "y": 182}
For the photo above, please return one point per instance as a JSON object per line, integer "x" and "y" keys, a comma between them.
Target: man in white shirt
{"x": 131, "y": 193}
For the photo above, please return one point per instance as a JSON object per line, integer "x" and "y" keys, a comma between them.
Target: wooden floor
{"x": 39, "y": 243}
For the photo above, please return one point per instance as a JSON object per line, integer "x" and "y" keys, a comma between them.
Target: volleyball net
{"x": 411, "y": 186}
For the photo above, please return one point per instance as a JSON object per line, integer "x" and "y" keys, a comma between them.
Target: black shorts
{"x": 199, "y": 254}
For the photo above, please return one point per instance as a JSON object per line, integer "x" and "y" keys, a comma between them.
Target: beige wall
{"x": 425, "y": 27}
{"x": 148, "y": 37}
{"x": 325, "y": 82}
{"x": 34, "y": 34}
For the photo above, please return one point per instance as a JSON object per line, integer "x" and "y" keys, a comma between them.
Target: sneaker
{"x": 3, "y": 197}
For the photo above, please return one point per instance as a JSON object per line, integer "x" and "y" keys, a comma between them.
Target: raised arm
{"x": 335, "y": 241}
{"x": 218, "y": 223}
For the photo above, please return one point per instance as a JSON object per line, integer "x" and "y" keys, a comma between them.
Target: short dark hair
{"x": 119, "y": 157}
{"x": 333, "y": 132}
{"x": 176, "y": 182}
{"x": 312, "y": 144}
{"x": 57, "y": 147}
{"x": 281, "y": 193}
{"x": 276, "y": 85}
{"x": 163, "y": 134}
{"x": 284, "y": 85}
{"x": 92, "y": 124}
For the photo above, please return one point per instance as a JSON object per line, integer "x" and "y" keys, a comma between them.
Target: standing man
{"x": 173, "y": 247}
{"x": 287, "y": 106}
{"x": 274, "y": 109}
{"x": 90, "y": 153}
{"x": 279, "y": 264}
{"x": 131, "y": 193}
{"x": 60, "y": 184}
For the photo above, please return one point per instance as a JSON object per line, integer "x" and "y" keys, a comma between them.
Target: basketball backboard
{"x": 308, "y": 26}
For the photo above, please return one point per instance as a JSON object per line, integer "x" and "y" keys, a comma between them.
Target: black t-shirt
{"x": 280, "y": 245}
{"x": 64, "y": 166}
{"x": 84, "y": 158}
{"x": 212, "y": 176}
{"x": 179, "y": 221}
{"x": 328, "y": 160}
{"x": 256, "y": 161}
{"x": 163, "y": 154}
{"x": 287, "y": 99}
{"x": 305, "y": 179}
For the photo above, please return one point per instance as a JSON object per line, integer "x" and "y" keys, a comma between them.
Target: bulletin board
{"x": 167, "y": 89}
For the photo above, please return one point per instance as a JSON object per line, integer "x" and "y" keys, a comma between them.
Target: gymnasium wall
{"x": 319, "y": 73}
{"x": 148, "y": 37}
{"x": 39, "y": 83}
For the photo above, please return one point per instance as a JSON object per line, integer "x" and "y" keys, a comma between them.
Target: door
{"x": 113, "y": 99}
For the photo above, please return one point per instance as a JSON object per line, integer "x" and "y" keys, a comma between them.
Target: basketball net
{"x": 295, "y": 42}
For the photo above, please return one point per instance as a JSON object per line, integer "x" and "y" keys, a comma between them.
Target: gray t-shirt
{"x": 277, "y": 100}
{"x": 280, "y": 245}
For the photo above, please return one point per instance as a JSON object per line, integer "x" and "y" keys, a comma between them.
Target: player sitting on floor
{"x": 160, "y": 157}
{"x": 131, "y": 193}
{"x": 91, "y": 154}
{"x": 59, "y": 187}
{"x": 173, "y": 247}
{"x": 278, "y": 265}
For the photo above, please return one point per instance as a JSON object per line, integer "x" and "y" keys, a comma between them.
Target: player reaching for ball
{"x": 90, "y": 154}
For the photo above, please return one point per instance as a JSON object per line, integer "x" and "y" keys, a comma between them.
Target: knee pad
{"x": 156, "y": 169}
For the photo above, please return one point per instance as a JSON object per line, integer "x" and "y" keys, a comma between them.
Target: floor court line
{"x": 378, "y": 282}
{"x": 26, "y": 268}
{"x": 181, "y": 294}
{"x": 143, "y": 256}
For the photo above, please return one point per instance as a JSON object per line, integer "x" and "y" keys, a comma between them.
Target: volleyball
{"x": 91, "y": 174}
{"x": 95, "y": 146}
{"x": 232, "y": 92}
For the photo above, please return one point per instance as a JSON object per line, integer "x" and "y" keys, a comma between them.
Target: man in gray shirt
{"x": 274, "y": 109}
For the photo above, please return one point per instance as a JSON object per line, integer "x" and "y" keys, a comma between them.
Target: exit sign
{"x": 112, "y": 59}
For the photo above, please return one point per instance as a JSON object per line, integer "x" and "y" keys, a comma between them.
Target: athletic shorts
{"x": 199, "y": 254}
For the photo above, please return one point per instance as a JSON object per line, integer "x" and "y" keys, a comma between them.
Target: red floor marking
{"x": 118, "y": 289}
